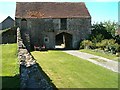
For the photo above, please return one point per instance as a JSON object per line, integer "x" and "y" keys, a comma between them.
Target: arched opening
{"x": 63, "y": 41}
{"x": 23, "y": 24}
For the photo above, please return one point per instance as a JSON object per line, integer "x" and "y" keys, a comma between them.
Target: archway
{"x": 63, "y": 41}
{"x": 23, "y": 24}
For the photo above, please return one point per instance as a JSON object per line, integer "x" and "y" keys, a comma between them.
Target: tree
{"x": 111, "y": 27}
{"x": 99, "y": 32}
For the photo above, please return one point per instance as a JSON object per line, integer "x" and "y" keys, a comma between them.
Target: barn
{"x": 53, "y": 24}
{"x": 7, "y": 23}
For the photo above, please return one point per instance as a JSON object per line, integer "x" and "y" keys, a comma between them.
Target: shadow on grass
{"x": 44, "y": 74}
{"x": 12, "y": 82}
{"x": 46, "y": 77}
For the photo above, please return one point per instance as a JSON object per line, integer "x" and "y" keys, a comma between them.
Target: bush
{"x": 86, "y": 44}
{"x": 109, "y": 45}
{"x": 117, "y": 38}
{"x": 113, "y": 48}
{"x": 118, "y": 54}
{"x": 102, "y": 44}
{"x": 97, "y": 38}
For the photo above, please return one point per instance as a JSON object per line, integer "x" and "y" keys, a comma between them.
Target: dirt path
{"x": 104, "y": 62}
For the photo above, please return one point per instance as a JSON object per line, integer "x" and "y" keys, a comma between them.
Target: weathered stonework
{"x": 54, "y": 24}
{"x": 39, "y": 29}
{"x": 30, "y": 74}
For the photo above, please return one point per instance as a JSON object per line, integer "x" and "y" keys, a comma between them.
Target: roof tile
{"x": 51, "y": 10}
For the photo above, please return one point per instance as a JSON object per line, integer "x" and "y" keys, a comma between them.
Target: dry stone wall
{"x": 30, "y": 74}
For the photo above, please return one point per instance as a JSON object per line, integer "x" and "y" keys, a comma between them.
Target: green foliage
{"x": 86, "y": 44}
{"x": 97, "y": 38}
{"x": 113, "y": 48}
{"x": 111, "y": 27}
{"x": 99, "y": 30}
{"x": 103, "y": 30}
{"x": 103, "y": 36}
{"x": 109, "y": 45}
{"x": 117, "y": 38}
{"x": 102, "y": 44}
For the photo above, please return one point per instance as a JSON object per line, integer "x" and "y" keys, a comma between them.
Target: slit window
{"x": 24, "y": 24}
{"x": 63, "y": 23}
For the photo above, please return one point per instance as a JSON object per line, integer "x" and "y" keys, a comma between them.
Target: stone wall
{"x": 39, "y": 29}
{"x": 31, "y": 74}
{"x": 49, "y": 24}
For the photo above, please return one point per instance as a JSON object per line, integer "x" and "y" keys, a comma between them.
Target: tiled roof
{"x": 51, "y": 10}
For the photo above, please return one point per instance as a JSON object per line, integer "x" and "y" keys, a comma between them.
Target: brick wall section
{"x": 30, "y": 74}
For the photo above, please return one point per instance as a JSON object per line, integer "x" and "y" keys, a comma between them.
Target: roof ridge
{"x": 51, "y": 9}
{"x": 7, "y": 18}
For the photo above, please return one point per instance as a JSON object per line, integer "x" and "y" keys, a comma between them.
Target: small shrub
{"x": 109, "y": 45}
{"x": 118, "y": 54}
{"x": 86, "y": 44}
{"x": 102, "y": 44}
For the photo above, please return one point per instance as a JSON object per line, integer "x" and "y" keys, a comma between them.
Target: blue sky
{"x": 99, "y": 11}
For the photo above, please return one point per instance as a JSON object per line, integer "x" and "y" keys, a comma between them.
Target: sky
{"x": 100, "y": 10}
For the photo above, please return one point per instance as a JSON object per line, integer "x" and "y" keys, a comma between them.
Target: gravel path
{"x": 104, "y": 62}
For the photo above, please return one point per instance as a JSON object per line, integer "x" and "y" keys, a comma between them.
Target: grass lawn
{"x": 67, "y": 71}
{"x": 106, "y": 55}
{"x": 10, "y": 69}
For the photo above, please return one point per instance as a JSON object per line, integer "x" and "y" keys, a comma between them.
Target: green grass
{"x": 105, "y": 55}
{"x": 10, "y": 69}
{"x": 67, "y": 71}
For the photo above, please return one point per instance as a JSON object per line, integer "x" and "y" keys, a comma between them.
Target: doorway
{"x": 63, "y": 41}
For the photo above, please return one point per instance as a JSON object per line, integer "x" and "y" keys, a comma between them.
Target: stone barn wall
{"x": 39, "y": 29}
